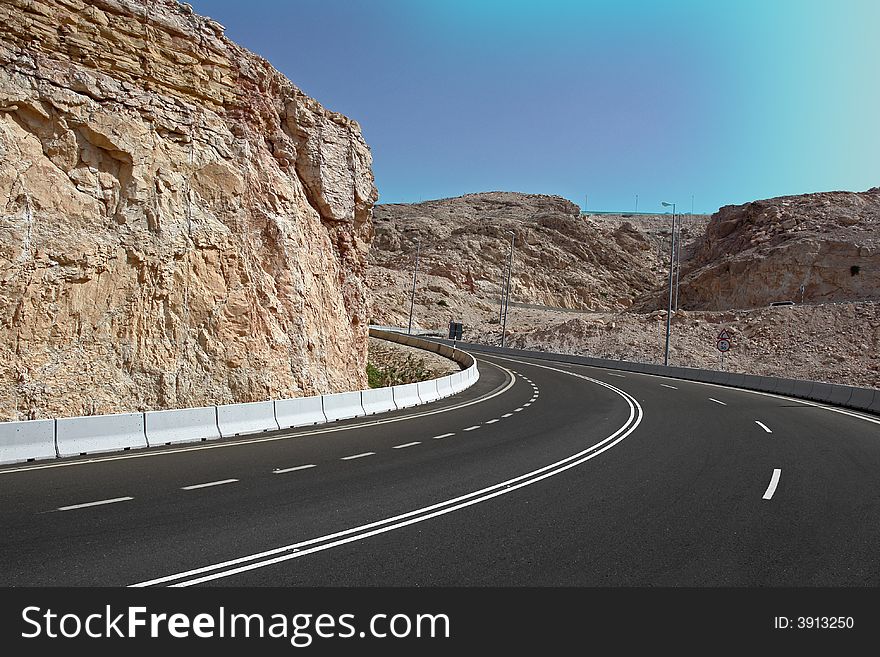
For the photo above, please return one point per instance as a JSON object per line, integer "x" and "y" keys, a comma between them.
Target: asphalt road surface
{"x": 541, "y": 474}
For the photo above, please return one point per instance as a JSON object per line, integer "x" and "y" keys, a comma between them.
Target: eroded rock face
{"x": 179, "y": 224}
{"x": 764, "y": 251}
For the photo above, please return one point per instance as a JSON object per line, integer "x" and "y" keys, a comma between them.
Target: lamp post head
{"x": 666, "y": 205}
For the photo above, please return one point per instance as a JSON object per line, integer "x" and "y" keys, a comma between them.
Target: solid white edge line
{"x": 98, "y": 503}
{"x": 763, "y": 426}
{"x": 209, "y": 484}
{"x": 444, "y": 435}
{"x": 356, "y": 456}
{"x": 717, "y": 401}
{"x": 294, "y": 469}
{"x": 504, "y": 487}
{"x": 412, "y": 444}
{"x": 251, "y": 441}
{"x": 774, "y": 481}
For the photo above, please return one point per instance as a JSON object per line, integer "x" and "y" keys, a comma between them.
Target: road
{"x": 541, "y": 474}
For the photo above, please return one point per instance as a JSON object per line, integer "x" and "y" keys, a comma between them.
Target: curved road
{"x": 541, "y": 474}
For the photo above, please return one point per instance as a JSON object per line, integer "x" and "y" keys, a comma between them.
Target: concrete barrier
{"x": 27, "y": 440}
{"x": 251, "y": 417}
{"x": 182, "y": 425}
{"x": 343, "y": 405}
{"x": 875, "y": 405}
{"x": 378, "y": 400}
{"x": 428, "y": 391}
{"x": 406, "y": 395}
{"x": 444, "y": 386}
{"x": 862, "y": 398}
{"x": 784, "y": 387}
{"x": 300, "y": 412}
{"x": 99, "y": 433}
{"x": 821, "y": 391}
{"x": 802, "y": 389}
{"x": 840, "y": 395}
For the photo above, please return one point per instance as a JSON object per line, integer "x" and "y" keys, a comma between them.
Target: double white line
{"x": 303, "y": 548}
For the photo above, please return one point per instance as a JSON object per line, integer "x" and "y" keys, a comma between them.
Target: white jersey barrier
{"x": 27, "y": 441}
{"x": 99, "y": 433}
{"x": 252, "y": 417}
{"x": 300, "y": 412}
{"x": 181, "y": 425}
{"x": 73, "y": 436}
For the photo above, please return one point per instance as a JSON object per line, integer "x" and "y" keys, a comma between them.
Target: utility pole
{"x": 507, "y": 301}
{"x": 677, "y": 260}
{"x": 637, "y": 202}
{"x": 671, "y": 266}
{"x": 412, "y": 303}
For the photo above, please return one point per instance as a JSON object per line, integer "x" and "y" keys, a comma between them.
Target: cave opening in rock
{"x": 854, "y": 270}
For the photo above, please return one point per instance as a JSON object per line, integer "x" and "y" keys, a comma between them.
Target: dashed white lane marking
{"x": 763, "y": 426}
{"x": 517, "y": 410}
{"x": 492, "y": 421}
{"x": 407, "y": 445}
{"x": 619, "y": 376}
{"x": 98, "y": 503}
{"x": 774, "y": 481}
{"x": 443, "y": 435}
{"x": 527, "y": 404}
{"x": 476, "y": 426}
{"x": 294, "y": 469}
{"x": 717, "y": 401}
{"x": 507, "y": 415}
{"x": 356, "y": 456}
{"x": 666, "y": 386}
{"x": 209, "y": 484}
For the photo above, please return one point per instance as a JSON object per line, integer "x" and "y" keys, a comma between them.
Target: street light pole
{"x": 507, "y": 300}
{"x": 677, "y": 259}
{"x": 671, "y": 264}
{"x": 412, "y": 303}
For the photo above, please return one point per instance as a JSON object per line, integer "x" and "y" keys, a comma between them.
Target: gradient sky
{"x": 725, "y": 101}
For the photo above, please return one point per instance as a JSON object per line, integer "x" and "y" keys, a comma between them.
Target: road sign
{"x": 723, "y": 345}
{"x": 724, "y": 335}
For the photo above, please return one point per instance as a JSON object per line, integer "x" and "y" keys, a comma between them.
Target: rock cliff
{"x": 179, "y": 224}
{"x": 754, "y": 254}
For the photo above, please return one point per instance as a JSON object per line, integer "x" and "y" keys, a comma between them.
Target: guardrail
{"x": 862, "y": 399}
{"x": 75, "y": 436}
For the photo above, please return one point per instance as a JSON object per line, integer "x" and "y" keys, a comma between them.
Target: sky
{"x": 609, "y": 103}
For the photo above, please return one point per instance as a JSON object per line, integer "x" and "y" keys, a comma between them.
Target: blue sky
{"x": 605, "y": 99}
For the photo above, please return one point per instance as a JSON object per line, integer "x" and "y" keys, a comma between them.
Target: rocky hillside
{"x": 179, "y": 224}
{"x": 765, "y": 251}
{"x": 560, "y": 258}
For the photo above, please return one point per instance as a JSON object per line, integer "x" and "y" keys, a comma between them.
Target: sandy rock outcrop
{"x": 560, "y": 258}
{"x": 179, "y": 224}
{"x": 754, "y": 254}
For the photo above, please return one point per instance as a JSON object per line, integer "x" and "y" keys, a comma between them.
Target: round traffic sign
{"x": 723, "y": 345}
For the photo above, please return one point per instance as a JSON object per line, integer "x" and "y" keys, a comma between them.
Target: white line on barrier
{"x": 100, "y": 502}
{"x": 294, "y": 469}
{"x": 763, "y": 426}
{"x": 774, "y": 481}
{"x": 356, "y": 456}
{"x": 717, "y": 401}
{"x": 287, "y": 552}
{"x": 476, "y": 426}
{"x": 407, "y": 445}
{"x": 209, "y": 484}
{"x": 443, "y": 435}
